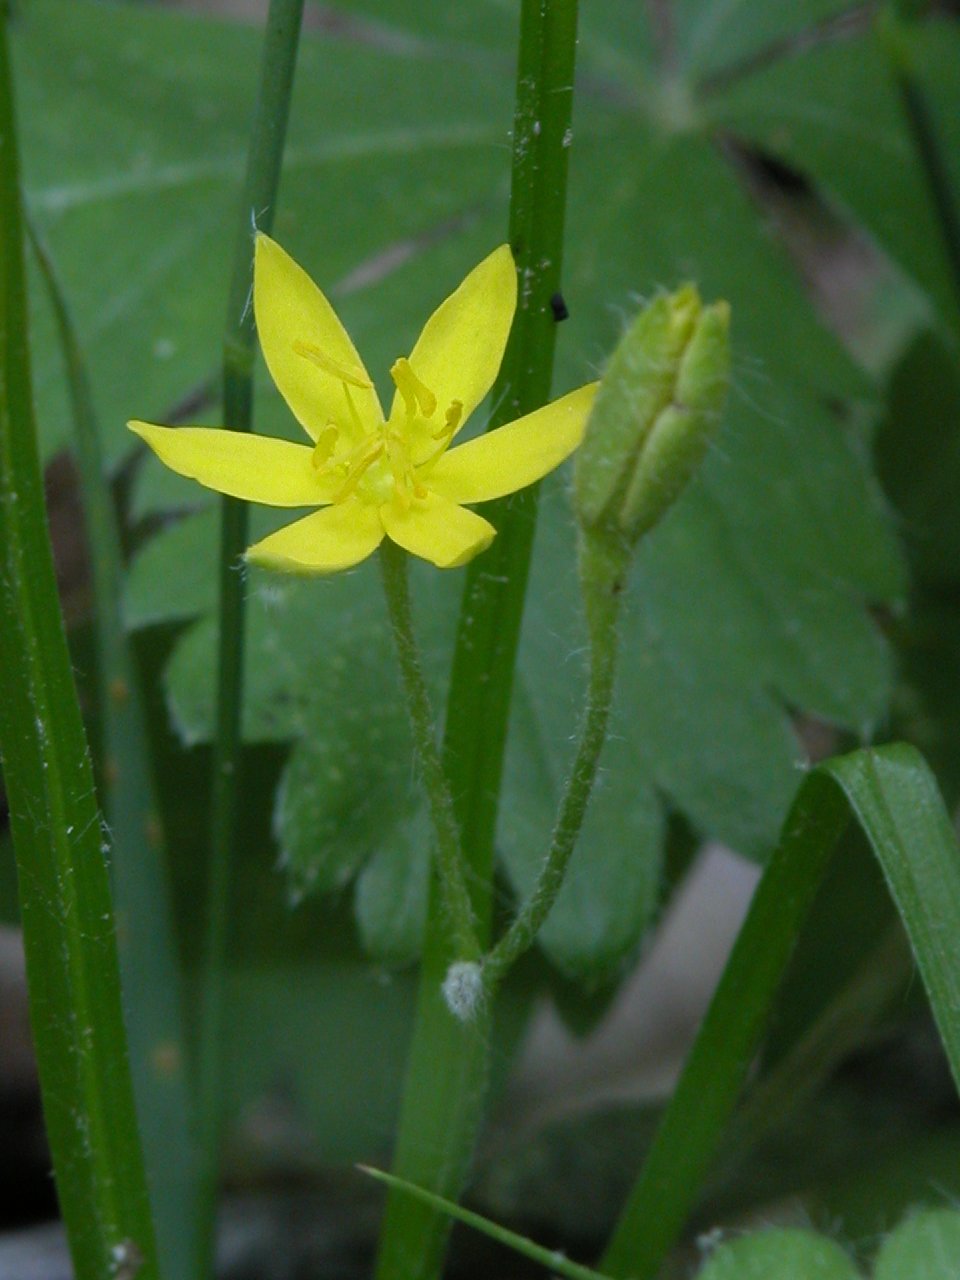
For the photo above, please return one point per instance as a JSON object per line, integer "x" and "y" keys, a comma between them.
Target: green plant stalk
{"x": 453, "y": 886}
{"x": 717, "y": 1066}
{"x": 268, "y": 131}
{"x": 478, "y": 707}
{"x": 603, "y": 566}
{"x": 555, "y": 1262}
{"x": 446, "y": 1079}
{"x": 446, "y": 1075}
{"x": 894, "y": 797}
{"x": 151, "y": 979}
{"x": 68, "y": 928}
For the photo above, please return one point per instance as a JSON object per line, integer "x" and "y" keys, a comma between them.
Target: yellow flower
{"x": 374, "y": 476}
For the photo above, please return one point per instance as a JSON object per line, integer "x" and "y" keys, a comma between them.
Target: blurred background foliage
{"x": 801, "y": 597}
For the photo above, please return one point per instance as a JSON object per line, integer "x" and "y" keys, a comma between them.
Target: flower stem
{"x": 453, "y": 885}
{"x": 445, "y": 1085}
{"x": 268, "y": 130}
{"x": 602, "y": 569}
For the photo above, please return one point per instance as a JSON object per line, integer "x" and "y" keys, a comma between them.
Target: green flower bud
{"x": 656, "y": 412}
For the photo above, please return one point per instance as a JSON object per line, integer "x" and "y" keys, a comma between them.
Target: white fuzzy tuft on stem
{"x": 463, "y": 989}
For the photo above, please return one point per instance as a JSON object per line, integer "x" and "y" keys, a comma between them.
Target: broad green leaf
{"x": 174, "y": 572}
{"x": 918, "y": 455}
{"x": 834, "y": 113}
{"x": 391, "y": 897}
{"x": 751, "y": 598}
{"x": 925, "y": 1247}
{"x": 340, "y": 798}
{"x": 348, "y": 793}
{"x": 788, "y": 1254}
{"x": 722, "y": 35}
{"x": 137, "y": 125}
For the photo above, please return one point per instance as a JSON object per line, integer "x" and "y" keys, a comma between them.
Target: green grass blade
{"x": 556, "y": 1262}
{"x": 897, "y": 802}
{"x": 72, "y": 966}
{"x": 892, "y": 794}
{"x": 151, "y": 979}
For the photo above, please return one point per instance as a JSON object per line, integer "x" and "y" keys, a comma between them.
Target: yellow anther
{"x": 326, "y": 443}
{"x": 415, "y": 394}
{"x": 343, "y": 372}
{"x": 451, "y": 421}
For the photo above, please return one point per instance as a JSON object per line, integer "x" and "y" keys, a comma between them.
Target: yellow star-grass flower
{"x": 374, "y": 476}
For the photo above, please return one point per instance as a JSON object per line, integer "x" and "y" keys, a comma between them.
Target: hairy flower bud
{"x": 657, "y": 409}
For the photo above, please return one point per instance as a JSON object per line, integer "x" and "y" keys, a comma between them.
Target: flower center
{"x": 390, "y": 462}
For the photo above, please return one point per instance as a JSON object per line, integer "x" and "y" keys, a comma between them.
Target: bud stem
{"x": 603, "y": 563}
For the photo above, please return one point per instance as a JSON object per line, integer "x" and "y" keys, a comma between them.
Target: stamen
{"x": 414, "y": 393}
{"x": 365, "y": 457}
{"x": 352, "y": 409}
{"x": 445, "y": 434}
{"x": 406, "y": 486}
{"x": 451, "y": 420}
{"x": 326, "y": 443}
{"x": 344, "y": 372}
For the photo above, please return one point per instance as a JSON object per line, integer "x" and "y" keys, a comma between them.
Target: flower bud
{"x": 657, "y": 410}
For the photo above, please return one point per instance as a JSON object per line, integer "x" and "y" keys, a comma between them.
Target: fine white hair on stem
{"x": 463, "y": 989}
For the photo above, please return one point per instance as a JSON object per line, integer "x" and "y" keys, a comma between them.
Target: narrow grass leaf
{"x": 894, "y": 797}
{"x": 556, "y": 1262}
{"x": 150, "y": 974}
{"x": 68, "y": 926}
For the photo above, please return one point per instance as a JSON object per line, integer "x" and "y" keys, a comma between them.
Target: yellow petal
{"x": 278, "y": 473}
{"x": 438, "y": 530}
{"x": 307, "y": 350}
{"x": 460, "y": 349}
{"x": 327, "y": 541}
{"x": 513, "y": 456}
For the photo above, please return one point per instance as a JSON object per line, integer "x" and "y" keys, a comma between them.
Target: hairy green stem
{"x": 268, "y": 131}
{"x": 446, "y": 1075}
{"x": 150, "y": 972}
{"x": 601, "y": 571}
{"x": 453, "y": 886}
{"x": 69, "y": 938}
